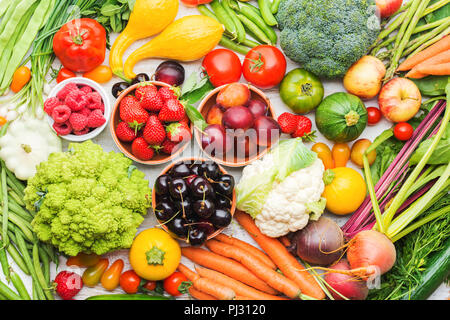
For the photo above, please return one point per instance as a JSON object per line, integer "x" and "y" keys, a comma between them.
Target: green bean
{"x": 13, "y": 196}
{"x": 15, "y": 255}
{"x": 4, "y": 261}
{"x": 15, "y": 208}
{"x": 8, "y": 293}
{"x": 248, "y": 11}
{"x": 223, "y": 17}
{"x": 45, "y": 264}
{"x": 266, "y": 12}
{"x": 240, "y": 30}
{"x": 259, "y": 34}
{"x": 275, "y": 5}
{"x": 2, "y": 297}
{"x": 40, "y": 274}
{"x": 204, "y": 10}
{"x": 5, "y": 212}
{"x": 250, "y": 43}
{"x": 6, "y": 16}
{"x": 16, "y": 182}
{"x": 4, "y": 6}
{"x": 230, "y": 44}
{"x": 20, "y": 287}
{"x": 35, "y": 295}
{"x": 23, "y": 225}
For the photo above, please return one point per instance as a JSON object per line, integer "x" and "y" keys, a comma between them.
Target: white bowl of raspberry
{"x": 77, "y": 109}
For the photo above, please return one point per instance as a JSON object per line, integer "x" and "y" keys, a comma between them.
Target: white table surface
{"x": 152, "y": 172}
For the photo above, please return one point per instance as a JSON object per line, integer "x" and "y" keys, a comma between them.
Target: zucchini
{"x": 128, "y": 297}
{"x": 438, "y": 270}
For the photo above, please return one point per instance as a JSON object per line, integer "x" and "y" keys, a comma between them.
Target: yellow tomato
{"x": 20, "y": 78}
{"x": 154, "y": 254}
{"x": 345, "y": 192}
{"x": 101, "y": 74}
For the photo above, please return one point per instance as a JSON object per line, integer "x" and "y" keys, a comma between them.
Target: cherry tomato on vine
{"x": 130, "y": 281}
{"x": 65, "y": 74}
{"x": 101, "y": 74}
{"x": 110, "y": 278}
{"x": 373, "y": 115}
{"x": 341, "y": 154}
{"x": 150, "y": 285}
{"x": 403, "y": 131}
{"x": 173, "y": 282}
{"x": 264, "y": 66}
{"x": 222, "y": 66}
{"x": 92, "y": 275}
{"x": 324, "y": 154}
{"x": 20, "y": 78}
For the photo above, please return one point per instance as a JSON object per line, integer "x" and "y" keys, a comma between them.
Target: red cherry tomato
{"x": 64, "y": 74}
{"x": 264, "y": 66}
{"x": 222, "y": 66}
{"x": 373, "y": 115}
{"x": 129, "y": 281}
{"x": 150, "y": 285}
{"x": 173, "y": 282}
{"x": 194, "y": 3}
{"x": 403, "y": 131}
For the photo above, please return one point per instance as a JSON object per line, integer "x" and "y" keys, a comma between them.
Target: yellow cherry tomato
{"x": 341, "y": 154}
{"x": 345, "y": 190}
{"x": 154, "y": 254}
{"x": 83, "y": 260}
{"x": 20, "y": 78}
{"x": 101, "y": 74}
{"x": 324, "y": 154}
{"x": 110, "y": 278}
{"x": 358, "y": 149}
{"x": 3, "y": 121}
{"x": 92, "y": 275}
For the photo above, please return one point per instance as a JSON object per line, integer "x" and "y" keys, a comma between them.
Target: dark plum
{"x": 141, "y": 77}
{"x": 204, "y": 208}
{"x": 197, "y": 236}
{"x": 118, "y": 88}
{"x": 224, "y": 185}
{"x": 221, "y": 218}
{"x": 165, "y": 210}
{"x": 162, "y": 184}
{"x": 178, "y": 189}
{"x": 215, "y": 141}
{"x": 267, "y": 130}
{"x": 257, "y": 108}
{"x": 170, "y": 72}
{"x": 238, "y": 118}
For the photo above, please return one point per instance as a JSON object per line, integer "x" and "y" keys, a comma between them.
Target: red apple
{"x": 233, "y": 95}
{"x": 388, "y": 7}
{"x": 399, "y": 100}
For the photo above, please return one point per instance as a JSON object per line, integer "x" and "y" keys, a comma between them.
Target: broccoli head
{"x": 327, "y": 36}
{"x": 87, "y": 200}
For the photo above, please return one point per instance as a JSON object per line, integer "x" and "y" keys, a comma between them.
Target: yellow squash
{"x": 149, "y": 17}
{"x": 186, "y": 39}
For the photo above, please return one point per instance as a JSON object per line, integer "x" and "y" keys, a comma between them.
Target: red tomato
{"x": 194, "y": 3}
{"x": 129, "y": 281}
{"x": 373, "y": 115}
{"x": 150, "y": 285}
{"x": 222, "y": 66}
{"x": 264, "y": 66}
{"x": 403, "y": 131}
{"x": 173, "y": 282}
{"x": 64, "y": 74}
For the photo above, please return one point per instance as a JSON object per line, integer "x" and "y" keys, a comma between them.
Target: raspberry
{"x": 61, "y": 113}
{"x": 51, "y": 103}
{"x": 78, "y": 121}
{"x": 94, "y": 100}
{"x": 76, "y": 100}
{"x": 80, "y": 133}
{"x": 68, "y": 88}
{"x": 62, "y": 129}
{"x": 86, "y": 89}
{"x": 85, "y": 111}
{"x": 96, "y": 119}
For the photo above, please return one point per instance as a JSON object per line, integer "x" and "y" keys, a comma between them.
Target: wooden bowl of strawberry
{"x": 149, "y": 124}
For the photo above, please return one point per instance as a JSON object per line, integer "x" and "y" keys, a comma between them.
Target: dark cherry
{"x": 165, "y": 210}
{"x": 221, "y": 218}
{"x": 224, "y": 185}
{"x": 201, "y": 189}
{"x": 179, "y": 226}
{"x": 207, "y": 226}
{"x": 165, "y": 197}
{"x": 197, "y": 169}
{"x": 197, "y": 236}
{"x": 190, "y": 179}
{"x": 204, "y": 208}
{"x": 223, "y": 202}
{"x": 178, "y": 189}
{"x": 141, "y": 77}
{"x": 212, "y": 170}
{"x": 118, "y": 88}
{"x": 184, "y": 209}
{"x": 162, "y": 184}
{"x": 180, "y": 170}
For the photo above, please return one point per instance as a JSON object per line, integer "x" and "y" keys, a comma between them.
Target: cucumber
{"x": 128, "y": 297}
{"x": 438, "y": 270}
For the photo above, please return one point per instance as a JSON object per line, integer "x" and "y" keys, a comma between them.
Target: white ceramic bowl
{"x": 94, "y": 85}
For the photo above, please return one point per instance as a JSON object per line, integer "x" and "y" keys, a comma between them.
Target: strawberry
{"x": 172, "y": 111}
{"x": 131, "y": 112}
{"x": 154, "y": 132}
{"x": 142, "y": 150}
{"x": 151, "y": 101}
{"x": 68, "y": 284}
{"x": 168, "y": 146}
{"x": 288, "y": 122}
{"x": 168, "y": 93}
{"x": 125, "y": 133}
{"x": 177, "y": 132}
{"x": 142, "y": 89}
{"x": 303, "y": 129}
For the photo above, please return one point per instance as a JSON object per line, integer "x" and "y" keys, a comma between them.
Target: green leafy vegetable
{"x": 441, "y": 154}
{"x": 432, "y": 85}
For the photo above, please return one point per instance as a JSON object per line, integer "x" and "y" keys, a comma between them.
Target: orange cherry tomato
{"x": 92, "y": 275}
{"x": 324, "y": 154}
{"x": 358, "y": 149}
{"x": 101, "y": 74}
{"x": 130, "y": 281}
{"x": 340, "y": 154}
{"x": 150, "y": 285}
{"x": 110, "y": 278}
{"x": 65, "y": 74}
{"x": 83, "y": 260}
{"x": 20, "y": 78}
{"x": 3, "y": 121}
{"x": 173, "y": 282}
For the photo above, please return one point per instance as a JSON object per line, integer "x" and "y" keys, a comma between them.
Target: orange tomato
{"x": 101, "y": 74}
{"x": 358, "y": 149}
{"x": 324, "y": 154}
{"x": 3, "y": 121}
{"x": 20, "y": 78}
{"x": 340, "y": 154}
{"x": 110, "y": 278}
{"x": 92, "y": 275}
{"x": 83, "y": 260}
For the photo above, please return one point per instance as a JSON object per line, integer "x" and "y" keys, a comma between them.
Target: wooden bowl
{"x": 233, "y": 161}
{"x": 199, "y": 160}
{"x": 125, "y": 147}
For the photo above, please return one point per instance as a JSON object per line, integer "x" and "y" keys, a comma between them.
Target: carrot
{"x": 258, "y": 254}
{"x": 242, "y": 298}
{"x": 238, "y": 287}
{"x": 207, "y": 286}
{"x": 273, "y": 278}
{"x": 442, "y": 69}
{"x": 440, "y": 46}
{"x": 227, "y": 266}
{"x": 285, "y": 261}
{"x": 414, "y": 74}
{"x": 200, "y": 295}
{"x": 440, "y": 58}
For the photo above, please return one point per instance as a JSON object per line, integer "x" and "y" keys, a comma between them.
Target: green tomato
{"x": 301, "y": 90}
